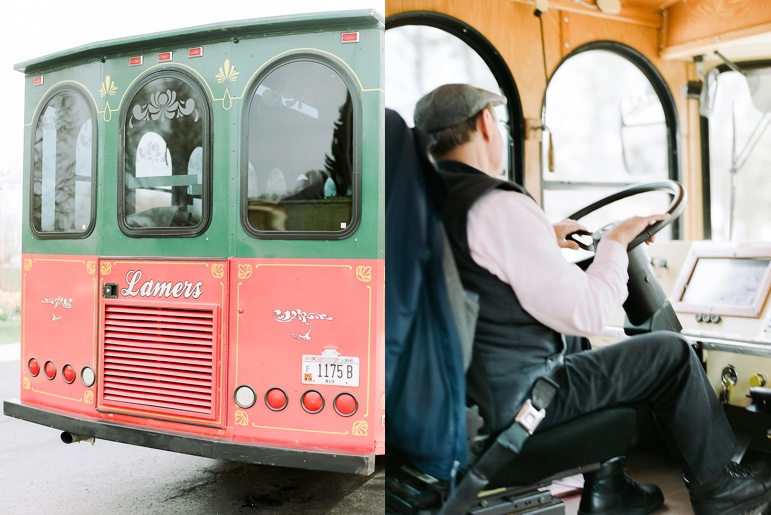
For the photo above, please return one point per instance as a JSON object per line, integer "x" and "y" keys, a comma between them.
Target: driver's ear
{"x": 486, "y": 124}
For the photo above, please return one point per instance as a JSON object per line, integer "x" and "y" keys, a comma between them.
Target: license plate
{"x": 330, "y": 369}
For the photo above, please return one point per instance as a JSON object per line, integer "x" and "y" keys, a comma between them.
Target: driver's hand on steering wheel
{"x": 626, "y": 231}
{"x": 565, "y": 228}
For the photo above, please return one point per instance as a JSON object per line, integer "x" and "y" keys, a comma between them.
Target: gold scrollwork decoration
{"x": 360, "y": 428}
{"x": 364, "y": 273}
{"x": 105, "y": 268}
{"x": 27, "y": 265}
{"x": 244, "y": 271}
{"x": 91, "y": 267}
{"x": 108, "y": 87}
{"x": 25, "y": 383}
{"x": 242, "y": 418}
{"x": 88, "y": 398}
{"x": 227, "y": 72}
{"x": 218, "y": 270}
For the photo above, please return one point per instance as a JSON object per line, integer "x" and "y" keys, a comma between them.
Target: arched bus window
{"x": 738, "y": 107}
{"x": 165, "y": 172}
{"x": 63, "y": 166}
{"x": 425, "y": 50}
{"x": 612, "y": 123}
{"x": 302, "y": 175}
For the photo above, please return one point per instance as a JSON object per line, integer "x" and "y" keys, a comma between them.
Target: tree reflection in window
{"x": 62, "y": 169}
{"x": 163, "y": 157}
{"x": 300, "y": 150}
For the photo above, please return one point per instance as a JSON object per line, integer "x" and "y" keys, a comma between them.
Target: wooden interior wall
{"x": 700, "y": 26}
{"x": 514, "y": 31}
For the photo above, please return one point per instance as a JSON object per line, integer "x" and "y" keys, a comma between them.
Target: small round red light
{"x": 34, "y": 367}
{"x": 69, "y": 373}
{"x": 313, "y": 402}
{"x": 50, "y": 369}
{"x": 345, "y": 404}
{"x": 276, "y": 399}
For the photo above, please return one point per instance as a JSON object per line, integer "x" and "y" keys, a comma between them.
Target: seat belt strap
{"x": 505, "y": 447}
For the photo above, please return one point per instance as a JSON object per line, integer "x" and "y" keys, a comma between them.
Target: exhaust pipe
{"x": 68, "y": 438}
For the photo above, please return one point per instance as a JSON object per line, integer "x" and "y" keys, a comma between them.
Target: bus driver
{"x": 530, "y": 295}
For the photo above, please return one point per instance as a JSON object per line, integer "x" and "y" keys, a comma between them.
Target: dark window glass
{"x": 164, "y": 165}
{"x": 300, "y": 151}
{"x": 62, "y": 168}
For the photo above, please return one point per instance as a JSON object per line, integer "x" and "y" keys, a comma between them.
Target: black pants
{"x": 660, "y": 369}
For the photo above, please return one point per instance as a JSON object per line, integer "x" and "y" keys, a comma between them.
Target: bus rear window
{"x": 300, "y": 157}
{"x": 165, "y": 148}
{"x": 62, "y": 196}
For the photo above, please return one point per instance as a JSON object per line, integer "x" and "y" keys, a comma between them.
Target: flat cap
{"x": 452, "y": 104}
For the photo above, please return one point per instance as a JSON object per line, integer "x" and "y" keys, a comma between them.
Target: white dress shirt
{"x": 510, "y": 236}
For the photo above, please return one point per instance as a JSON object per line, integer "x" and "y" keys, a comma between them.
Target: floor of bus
{"x": 645, "y": 464}
{"x": 650, "y": 461}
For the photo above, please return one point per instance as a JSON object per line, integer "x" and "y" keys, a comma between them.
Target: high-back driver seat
{"x": 429, "y": 332}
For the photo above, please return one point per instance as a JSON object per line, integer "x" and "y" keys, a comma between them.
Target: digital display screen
{"x": 726, "y": 281}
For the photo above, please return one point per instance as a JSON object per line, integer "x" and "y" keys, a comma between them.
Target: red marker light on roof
{"x": 37, "y": 81}
{"x": 195, "y": 52}
{"x": 164, "y": 56}
{"x": 136, "y": 61}
{"x": 349, "y": 37}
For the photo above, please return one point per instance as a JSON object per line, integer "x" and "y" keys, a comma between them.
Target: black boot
{"x": 609, "y": 490}
{"x": 739, "y": 489}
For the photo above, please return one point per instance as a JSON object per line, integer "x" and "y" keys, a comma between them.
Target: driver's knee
{"x": 667, "y": 350}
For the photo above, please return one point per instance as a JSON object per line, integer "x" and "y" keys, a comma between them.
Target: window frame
{"x": 206, "y": 159}
{"x": 356, "y": 157}
{"x": 80, "y": 91}
{"x": 498, "y": 67}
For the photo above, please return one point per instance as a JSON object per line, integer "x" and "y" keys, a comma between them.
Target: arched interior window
{"x": 62, "y": 203}
{"x": 302, "y": 175}
{"x": 427, "y": 50}
{"x": 610, "y": 122}
{"x": 165, "y": 173}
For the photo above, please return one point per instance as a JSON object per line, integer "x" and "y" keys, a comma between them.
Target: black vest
{"x": 511, "y": 348}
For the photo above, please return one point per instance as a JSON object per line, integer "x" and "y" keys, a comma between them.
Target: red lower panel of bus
{"x": 281, "y": 353}
{"x": 307, "y": 338}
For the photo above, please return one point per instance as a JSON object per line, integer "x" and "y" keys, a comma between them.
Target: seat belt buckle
{"x": 529, "y": 417}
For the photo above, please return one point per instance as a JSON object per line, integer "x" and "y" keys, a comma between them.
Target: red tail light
{"x": 346, "y": 404}
{"x": 312, "y": 401}
{"x": 50, "y": 369}
{"x": 34, "y": 367}
{"x": 68, "y": 373}
{"x": 276, "y": 399}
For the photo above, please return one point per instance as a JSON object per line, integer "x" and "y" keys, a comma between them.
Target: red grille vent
{"x": 160, "y": 360}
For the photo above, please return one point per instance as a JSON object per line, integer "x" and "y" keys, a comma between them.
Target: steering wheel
{"x": 676, "y": 207}
{"x": 646, "y": 307}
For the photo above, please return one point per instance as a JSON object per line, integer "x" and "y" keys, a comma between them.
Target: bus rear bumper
{"x": 362, "y": 464}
